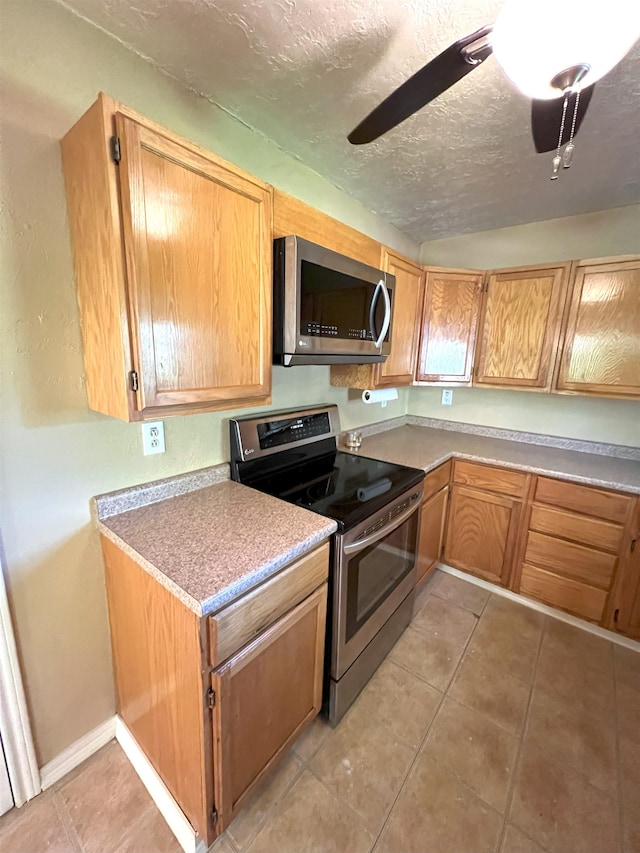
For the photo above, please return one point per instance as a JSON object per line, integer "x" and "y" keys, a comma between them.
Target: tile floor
{"x": 490, "y": 727}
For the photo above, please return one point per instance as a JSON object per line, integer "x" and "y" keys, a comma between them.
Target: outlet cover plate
{"x": 153, "y": 437}
{"x": 447, "y": 396}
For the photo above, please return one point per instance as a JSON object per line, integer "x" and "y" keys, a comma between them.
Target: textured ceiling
{"x": 304, "y": 72}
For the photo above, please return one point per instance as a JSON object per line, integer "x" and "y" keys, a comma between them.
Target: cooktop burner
{"x": 313, "y": 473}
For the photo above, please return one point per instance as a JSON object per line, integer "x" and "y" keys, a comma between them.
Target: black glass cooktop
{"x": 342, "y": 486}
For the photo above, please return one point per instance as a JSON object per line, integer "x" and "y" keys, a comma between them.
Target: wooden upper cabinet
{"x": 449, "y": 324}
{"x": 292, "y": 216}
{"x": 601, "y": 351}
{"x": 407, "y": 303}
{"x": 184, "y": 323}
{"x": 399, "y": 366}
{"x": 520, "y": 327}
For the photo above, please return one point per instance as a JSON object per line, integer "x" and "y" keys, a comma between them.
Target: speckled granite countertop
{"x": 424, "y": 447}
{"x": 211, "y": 545}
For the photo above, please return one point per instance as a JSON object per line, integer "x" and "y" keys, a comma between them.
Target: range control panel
{"x": 287, "y": 430}
{"x": 277, "y": 431}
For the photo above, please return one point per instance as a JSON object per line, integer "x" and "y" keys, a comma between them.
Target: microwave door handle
{"x": 387, "y": 312}
{"x": 372, "y": 309}
{"x": 361, "y": 544}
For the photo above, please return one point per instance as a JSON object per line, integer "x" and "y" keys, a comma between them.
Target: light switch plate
{"x": 447, "y": 397}
{"x": 153, "y": 437}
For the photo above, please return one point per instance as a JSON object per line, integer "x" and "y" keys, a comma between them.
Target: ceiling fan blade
{"x": 435, "y": 78}
{"x": 547, "y": 115}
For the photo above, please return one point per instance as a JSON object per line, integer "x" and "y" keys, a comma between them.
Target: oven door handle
{"x": 361, "y": 544}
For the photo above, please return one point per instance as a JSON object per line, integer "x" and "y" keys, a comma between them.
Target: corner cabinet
{"x": 399, "y": 366}
{"x": 449, "y": 326}
{"x": 601, "y": 350}
{"x": 520, "y": 327}
{"x": 172, "y": 256}
{"x": 214, "y": 701}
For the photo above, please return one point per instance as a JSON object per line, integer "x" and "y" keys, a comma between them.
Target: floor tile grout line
{"x": 523, "y": 734}
{"x": 621, "y": 815}
{"x": 428, "y": 730}
{"x": 65, "y": 817}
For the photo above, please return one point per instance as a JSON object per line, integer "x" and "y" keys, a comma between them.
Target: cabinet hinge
{"x": 211, "y": 697}
{"x": 214, "y": 816}
{"x": 115, "y": 149}
{"x": 616, "y": 613}
{"x": 133, "y": 379}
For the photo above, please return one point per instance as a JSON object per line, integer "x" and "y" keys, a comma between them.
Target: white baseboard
{"x": 627, "y": 642}
{"x": 78, "y": 752}
{"x": 187, "y": 837}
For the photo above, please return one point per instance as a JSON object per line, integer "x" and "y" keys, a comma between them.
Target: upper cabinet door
{"x": 601, "y": 352}
{"x": 449, "y": 324}
{"x": 520, "y": 327}
{"x": 198, "y": 253}
{"x": 407, "y": 302}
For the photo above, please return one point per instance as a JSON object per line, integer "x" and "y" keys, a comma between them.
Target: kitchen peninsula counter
{"x": 213, "y": 544}
{"x": 425, "y": 447}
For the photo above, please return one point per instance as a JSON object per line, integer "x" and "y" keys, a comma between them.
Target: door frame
{"x": 15, "y": 728}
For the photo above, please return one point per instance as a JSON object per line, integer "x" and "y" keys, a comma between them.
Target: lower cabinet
{"x": 625, "y": 615}
{"x": 575, "y": 538}
{"x": 484, "y": 520}
{"x": 433, "y": 516}
{"x": 264, "y": 695}
{"x": 214, "y": 701}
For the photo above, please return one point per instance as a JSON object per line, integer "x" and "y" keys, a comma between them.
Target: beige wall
{"x": 608, "y": 232}
{"x": 57, "y": 453}
{"x": 590, "y": 235}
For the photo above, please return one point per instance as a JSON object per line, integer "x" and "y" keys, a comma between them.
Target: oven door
{"x": 375, "y": 571}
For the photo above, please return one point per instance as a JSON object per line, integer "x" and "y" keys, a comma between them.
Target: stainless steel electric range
{"x": 293, "y": 455}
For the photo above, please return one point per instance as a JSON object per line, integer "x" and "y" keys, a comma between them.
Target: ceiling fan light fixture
{"x": 534, "y": 42}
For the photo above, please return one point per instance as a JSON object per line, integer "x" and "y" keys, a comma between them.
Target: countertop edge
{"x": 235, "y": 590}
{"x": 152, "y": 570}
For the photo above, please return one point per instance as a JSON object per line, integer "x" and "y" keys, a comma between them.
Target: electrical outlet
{"x": 153, "y": 438}
{"x": 447, "y": 397}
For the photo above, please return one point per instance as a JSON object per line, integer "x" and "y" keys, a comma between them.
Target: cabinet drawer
{"x": 585, "y": 499}
{"x": 570, "y": 559}
{"x": 436, "y": 480}
{"x": 502, "y": 480}
{"x": 237, "y": 624}
{"x": 567, "y": 525}
{"x": 565, "y": 593}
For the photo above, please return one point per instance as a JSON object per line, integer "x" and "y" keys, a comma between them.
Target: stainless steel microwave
{"x": 328, "y": 308}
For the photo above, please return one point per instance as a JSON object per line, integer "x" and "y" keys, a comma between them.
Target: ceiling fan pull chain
{"x": 567, "y": 157}
{"x": 557, "y": 160}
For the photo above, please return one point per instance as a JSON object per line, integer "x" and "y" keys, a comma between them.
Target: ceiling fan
{"x": 552, "y": 50}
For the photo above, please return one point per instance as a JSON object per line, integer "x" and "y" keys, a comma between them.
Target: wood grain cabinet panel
{"x": 601, "y": 351}
{"x": 481, "y": 533}
{"x": 580, "y": 599}
{"x": 449, "y": 325}
{"x": 265, "y": 695}
{"x": 570, "y": 559}
{"x": 587, "y": 500}
{"x": 178, "y": 257}
{"x": 431, "y": 535}
{"x": 572, "y": 553}
{"x": 503, "y": 480}
{"x": 399, "y": 366}
{"x": 625, "y": 610}
{"x": 520, "y": 327}
{"x": 437, "y": 479}
{"x": 239, "y": 623}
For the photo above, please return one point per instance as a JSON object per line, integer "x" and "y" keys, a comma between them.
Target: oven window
{"x": 376, "y": 570}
